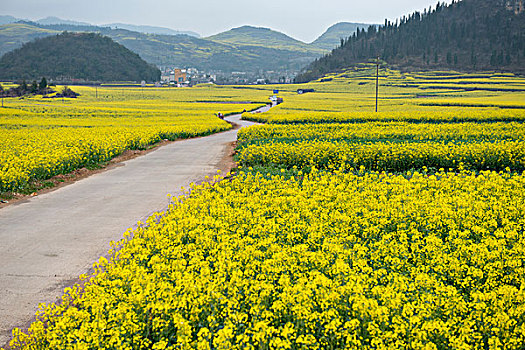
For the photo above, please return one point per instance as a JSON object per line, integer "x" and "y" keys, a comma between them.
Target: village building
{"x": 517, "y": 6}
{"x": 178, "y": 77}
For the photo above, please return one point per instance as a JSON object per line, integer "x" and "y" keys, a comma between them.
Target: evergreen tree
{"x": 483, "y": 29}
{"x": 34, "y": 87}
{"x": 87, "y": 56}
{"x": 473, "y": 59}
{"x": 43, "y": 84}
{"x": 493, "y": 58}
{"x": 500, "y": 58}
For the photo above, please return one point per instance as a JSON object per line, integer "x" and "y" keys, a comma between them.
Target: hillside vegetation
{"x": 253, "y": 36}
{"x": 247, "y": 48}
{"x": 68, "y": 56}
{"x": 467, "y": 35}
{"x": 151, "y": 29}
{"x": 7, "y": 19}
{"x": 333, "y": 35}
{"x": 13, "y": 36}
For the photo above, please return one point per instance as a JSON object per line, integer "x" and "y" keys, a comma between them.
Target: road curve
{"x": 48, "y": 241}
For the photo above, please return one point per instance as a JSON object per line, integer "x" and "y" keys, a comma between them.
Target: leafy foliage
{"x": 23, "y": 89}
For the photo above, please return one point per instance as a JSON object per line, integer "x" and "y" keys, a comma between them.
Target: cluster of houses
{"x": 185, "y": 77}
{"x": 178, "y": 77}
{"x": 516, "y": 6}
{"x": 261, "y": 77}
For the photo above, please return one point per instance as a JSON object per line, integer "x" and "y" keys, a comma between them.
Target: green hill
{"x": 56, "y": 20}
{"x": 246, "y": 48}
{"x": 7, "y": 19}
{"x": 151, "y": 29}
{"x": 333, "y": 35}
{"x": 181, "y": 50}
{"x": 86, "y": 56}
{"x": 204, "y": 54}
{"x": 468, "y": 35}
{"x": 264, "y": 37}
{"x": 14, "y": 35}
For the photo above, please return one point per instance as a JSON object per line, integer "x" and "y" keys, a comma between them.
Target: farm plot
{"x": 46, "y": 137}
{"x": 330, "y": 236}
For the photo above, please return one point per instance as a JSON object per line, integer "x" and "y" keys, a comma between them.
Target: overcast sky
{"x": 302, "y": 19}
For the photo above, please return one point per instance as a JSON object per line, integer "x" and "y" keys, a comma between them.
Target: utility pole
{"x": 96, "y": 91}
{"x": 377, "y": 82}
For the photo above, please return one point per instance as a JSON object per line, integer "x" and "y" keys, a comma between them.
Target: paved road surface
{"x": 47, "y": 242}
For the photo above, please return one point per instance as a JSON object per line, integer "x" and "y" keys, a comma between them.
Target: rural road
{"x": 48, "y": 241}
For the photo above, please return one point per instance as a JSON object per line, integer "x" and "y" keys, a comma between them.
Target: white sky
{"x": 301, "y": 19}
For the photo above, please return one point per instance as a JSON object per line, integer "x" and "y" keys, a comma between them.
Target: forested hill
{"x": 245, "y": 49}
{"x": 69, "y": 56}
{"x": 466, "y": 35}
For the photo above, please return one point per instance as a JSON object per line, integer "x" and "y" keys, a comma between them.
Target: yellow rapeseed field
{"x": 411, "y": 97}
{"x": 389, "y": 156}
{"x": 323, "y": 261}
{"x": 386, "y": 146}
{"x": 433, "y": 120}
{"x": 46, "y": 137}
{"x": 342, "y": 229}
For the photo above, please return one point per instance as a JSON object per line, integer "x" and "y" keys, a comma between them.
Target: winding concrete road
{"x": 48, "y": 241}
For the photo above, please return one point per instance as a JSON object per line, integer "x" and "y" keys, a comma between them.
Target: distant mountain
{"x": 150, "y": 29}
{"x": 264, "y": 37}
{"x": 14, "y": 35}
{"x": 248, "y": 49}
{"x": 56, "y": 20}
{"x": 67, "y": 56}
{"x": 204, "y": 54}
{"x": 333, "y": 35}
{"x": 464, "y": 35}
{"x": 8, "y": 19}
{"x": 183, "y": 50}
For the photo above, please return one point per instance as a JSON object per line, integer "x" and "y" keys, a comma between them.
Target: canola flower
{"x": 384, "y": 131}
{"x": 27, "y": 155}
{"x": 429, "y": 97}
{"x": 387, "y": 154}
{"x": 321, "y": 261}
{"x": 41, "y": 138}
{"x": 281, "y": 115}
